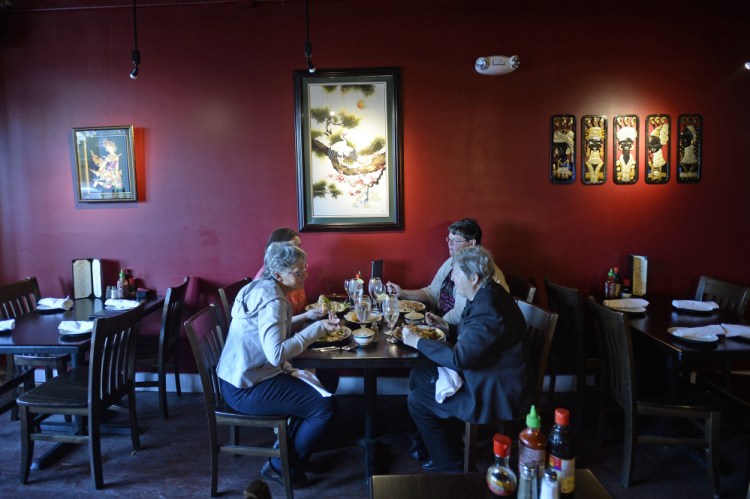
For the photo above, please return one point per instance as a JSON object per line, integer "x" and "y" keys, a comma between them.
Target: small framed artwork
{"x": 105, "y": 168}
{"x": 594, "y": 149}
{"x": 348, "y": 137}
{"x": 657, "y": 148}
{"x": 689, "y": 140}
{"x": 562, "y": 149}
{"x": 625, "y": 131}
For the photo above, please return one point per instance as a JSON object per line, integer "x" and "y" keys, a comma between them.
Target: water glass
{"x": 390, "y": 311}
{"x": 362, "y": 307}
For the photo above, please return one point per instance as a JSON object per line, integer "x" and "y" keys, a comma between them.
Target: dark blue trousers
{"x": 310, "y": 412}
{"x": 440, "y": 430}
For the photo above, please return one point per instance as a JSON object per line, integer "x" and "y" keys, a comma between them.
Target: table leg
{"x": 370, "y": 440}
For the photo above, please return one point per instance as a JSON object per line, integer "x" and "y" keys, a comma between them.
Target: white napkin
{"x": 76, "y": 327}
{"x": 308, "y": 378}
{"x": 626, "y": 303}
{"x": 711, "y": 332}
{"x": 736, "y": 330}
{"x": 447, "y": 384}
{"x": 7, "y": 325}
{"x": 120, "y": 304}
{"x": 63, "y": 303}
{"x": 698, "y": 306}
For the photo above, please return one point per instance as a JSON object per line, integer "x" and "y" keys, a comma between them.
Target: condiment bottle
{"x": 500, "y": 478}
{"x": 561, "y": 456}
{"x": 550, "y": 487}
{"x": 618, "y": 284}
{"x": 123, "y": 288}
{"x": 527, "y": 486}
{"x": 626, "y": 292}
{"x": 532, "y": 444}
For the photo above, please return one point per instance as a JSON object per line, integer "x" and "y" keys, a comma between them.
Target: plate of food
{"x": 406, "y": 306}
{"x": 337, "y": 337}
{"x": 328, "y": 305}
{"x": 426, "y": 332}
{"x": 373, "y": 317}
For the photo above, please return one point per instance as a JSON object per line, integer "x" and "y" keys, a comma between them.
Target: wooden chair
{"x": 87, "y": 391}
{"x": 10, "y": 381}
{"x": 729, "y": 296}
{"x": 540, "y": 328}
{"x": 687, "y": 403}
{"x": 575, "y": 344}
{"x": 228, "y": 294}
{"x": 205, "y": 331}
{"x": 157, "y": 351}
{"x": 522, "y": 289}
{"x": 16, "y": 300}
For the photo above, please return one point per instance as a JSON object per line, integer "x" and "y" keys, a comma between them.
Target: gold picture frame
{"x": 105, "y": 165}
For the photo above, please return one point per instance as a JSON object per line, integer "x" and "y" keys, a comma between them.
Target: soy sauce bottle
{"x": 561, "y": 454}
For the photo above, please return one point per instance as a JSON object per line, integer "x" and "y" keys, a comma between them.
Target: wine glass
{"x": 390, "y": 311}
{"x": 347, "y": 288}
{"x": 355, "y": 289}
{"x": 375, "y": 287}
{"x": 362, "y": 307}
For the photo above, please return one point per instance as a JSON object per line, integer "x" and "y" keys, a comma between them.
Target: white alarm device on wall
{"x": 496, "y": 64}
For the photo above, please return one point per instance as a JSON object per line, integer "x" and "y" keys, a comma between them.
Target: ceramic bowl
{"x": 363, "y": 336}
{"x": 413, "y": 317}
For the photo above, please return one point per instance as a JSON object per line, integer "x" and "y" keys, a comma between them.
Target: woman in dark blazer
{"x": 489, "y": 355}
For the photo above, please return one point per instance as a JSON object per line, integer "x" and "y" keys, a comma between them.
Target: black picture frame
{"x": 105, "y": 164}
{"x": 348, "y": 149}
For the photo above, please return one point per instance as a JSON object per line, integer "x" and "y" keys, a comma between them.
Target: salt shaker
{"x": 527, "y": 485}
{"x": 550, "y": 486}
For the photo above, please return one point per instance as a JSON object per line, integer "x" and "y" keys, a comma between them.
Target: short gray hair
{"x": 476, "y": 260}
{"x": 280, "y": 257}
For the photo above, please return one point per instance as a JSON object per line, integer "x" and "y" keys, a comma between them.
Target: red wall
{"x": 213, "y": 110}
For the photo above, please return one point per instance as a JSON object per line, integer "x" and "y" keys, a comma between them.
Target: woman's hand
{"x": 393, "y": 288}
{"x": 409, "y": 337}
{"x": 437, "y": 321}
{"x": 314, "y": 314}
{"x": 332, "y": 323}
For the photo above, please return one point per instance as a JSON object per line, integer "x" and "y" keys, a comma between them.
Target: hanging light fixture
{"x": 308, "y": 46}
{"x": 135, "y": 55}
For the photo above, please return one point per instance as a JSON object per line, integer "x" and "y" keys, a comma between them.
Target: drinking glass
{"x": 362, "y": 307}
{"x": 347, "y": 288}
{"x": 375, "y": 287}
{"x": 355, "y": 289}
{"x": 390, "y": 311}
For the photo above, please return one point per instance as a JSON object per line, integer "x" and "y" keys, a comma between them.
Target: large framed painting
{"x": 594, "y": 149}
{"x": 625, "y": 130}
{"x": 657, "y": 148}
{"x": 105, "y": 168}
{"x": 689, "y": 148}
{"x": 348, "y": 138}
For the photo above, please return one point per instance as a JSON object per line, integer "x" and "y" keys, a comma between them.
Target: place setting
{"x": 74, "y": 330}
{"x": 695, "y": 307}
{"x": 54, "y": 305}
{"x": 627, "y": 305}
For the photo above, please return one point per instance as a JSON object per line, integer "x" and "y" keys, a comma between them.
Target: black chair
{"x": 522, "y": 289}
{"x": 575, "y": 347}
{"x": 727, "y": 295}
{"x": 162, "y": 351}
{"x": 16, "y": 300}
{"x": 540, "y": 328}
{"x": 205, "y": 331}
{"x": 10, "y": 381}
{"x": 87, "y": 392}
{"x": 686, "y": 402}
{"x": 227, "y": 294}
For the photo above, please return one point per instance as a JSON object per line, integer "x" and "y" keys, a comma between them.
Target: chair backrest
{"x": 614, "y": 330}
{"x": 728, "y": 296}
{"x": 522, "y": 289}
{"x": 19, "y": 298}
{"x": 570, "y": 337}
{"x": 206, "y": 334}
{"x": 228, "y": 294}
{"x": 540, "y": 328}
{"x": 112, "y": 358}
{"x": 171, "y": 319}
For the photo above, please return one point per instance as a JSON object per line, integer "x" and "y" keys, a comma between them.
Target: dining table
{"x": 368, "y": 361}
{"x": 38, "y": 333}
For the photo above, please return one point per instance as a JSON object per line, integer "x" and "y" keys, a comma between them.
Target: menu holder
{"x": 87, "y": 278}
{"x": 638, "y": 273}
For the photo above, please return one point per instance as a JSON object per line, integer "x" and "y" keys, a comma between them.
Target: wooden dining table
{"x": 369, "y": 361}
{"x": 38, "y": 333}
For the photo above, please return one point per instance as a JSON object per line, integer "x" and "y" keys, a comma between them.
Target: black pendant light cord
{"x": 308, "y": 45}
{"x": 136, "y": 55}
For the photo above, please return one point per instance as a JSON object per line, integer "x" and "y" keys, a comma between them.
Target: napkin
{"x": 120, "y": 304}
{"x": 308, "y": 378}
{"x": 447, "y": 384}
{"x": 736, "y": 330}
{"x": 76, "y": 327}
{"x": 7, "y": 325}
{"x": 711, "y": 332}
{"x": 63, "y": 303}
{"x": 626, "y": 303}
{"x": 698, "y": 306}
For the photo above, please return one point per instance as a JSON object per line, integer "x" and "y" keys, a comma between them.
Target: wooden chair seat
{"x": 68, "y": 390}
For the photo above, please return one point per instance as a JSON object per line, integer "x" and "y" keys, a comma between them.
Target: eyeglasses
{"x": 451, "y": 240}
{"x": 299, "y": 273}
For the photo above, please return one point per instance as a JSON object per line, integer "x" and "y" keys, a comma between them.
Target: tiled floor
{"x": 174, "y": 461}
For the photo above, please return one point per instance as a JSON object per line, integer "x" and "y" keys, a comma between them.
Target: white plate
{"x": 373, "y": 317}
{"x": 405, "y": 306}
{"x": 633, "y": 310}
{"x": 74, "y": 333}
{"x": 43, "y": 309}
{"x": 347, "y": 333}
{"x": 707, "y": 338}
{"x": 338, "y": 306}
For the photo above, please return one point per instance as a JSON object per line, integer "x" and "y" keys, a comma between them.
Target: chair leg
{"x": 163, "y": 392}
{"x": 286, "y": 474}
{"x": 134, "y": 436}
{"x": 177, "y": 374}
{"x": 214, "y": 462}
{"x": 628, "y": 451}
{"x": 712, "y": 459}
{"x": 27, "y": 445}
{"x": 470, "y": 446}
{"x": 95, "y": 450}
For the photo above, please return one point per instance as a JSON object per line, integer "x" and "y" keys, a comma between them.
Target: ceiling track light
{"x": 135, "y": 54}
{"x": 747, "y": 65}
{"x": 308, "y": 45}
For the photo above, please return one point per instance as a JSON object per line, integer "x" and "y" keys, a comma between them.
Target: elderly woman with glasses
{"x": 440, "y": 295}
{"x": 255, "y": 375}
{"x": 486, "y": 366}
